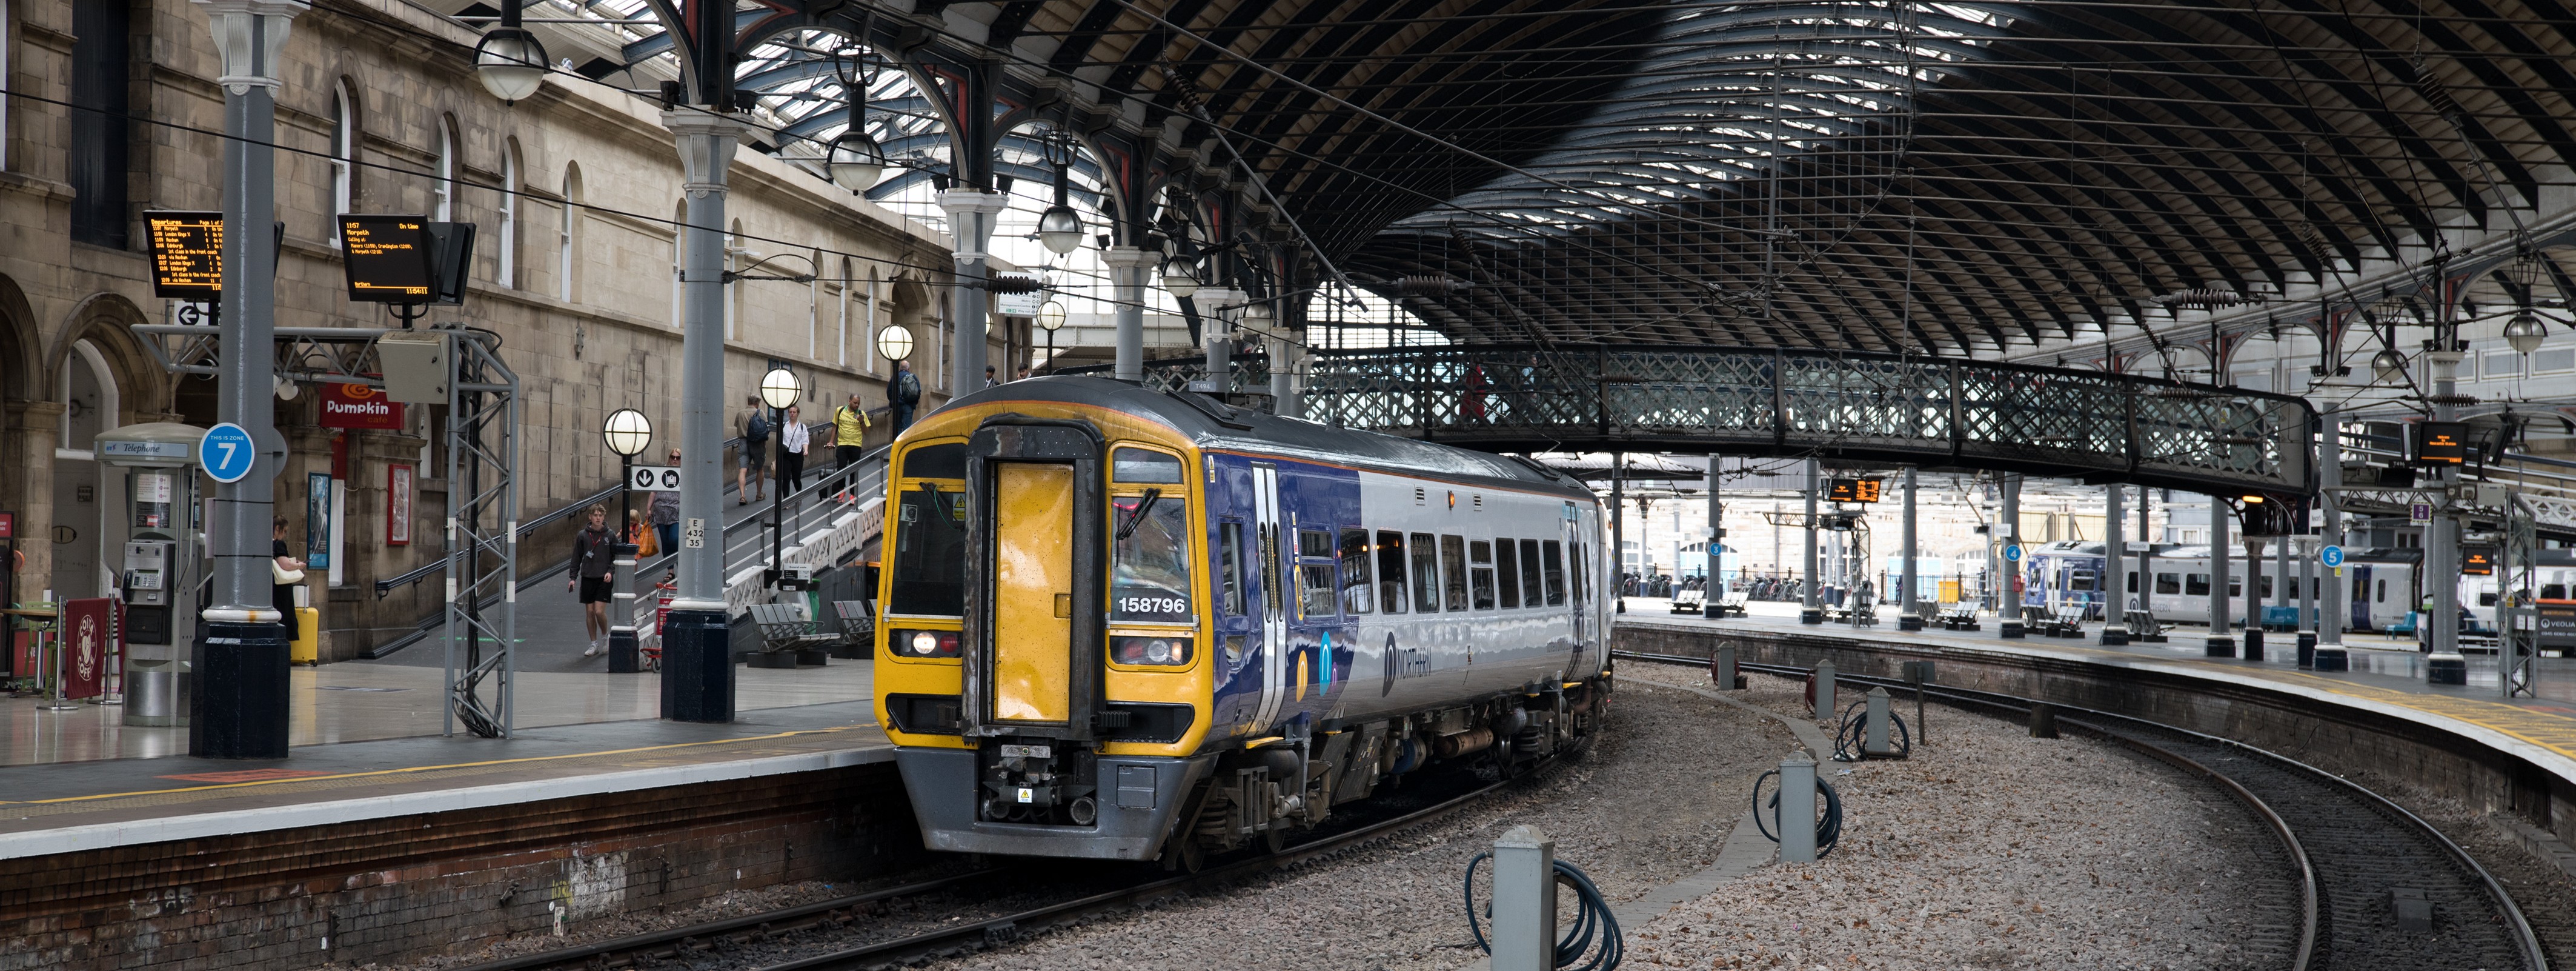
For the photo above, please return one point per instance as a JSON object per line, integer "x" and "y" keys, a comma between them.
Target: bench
{"x": 1732, "y": 605}
{"x": 1961, "y": 616}
{"x": 2143, "y": 626}
{"x": 1688, "y": 601}
{"x": 2280, "y": 619}
{"x": 789, "y": 638}
{"x": 2066, "y": 621}
{"x": 858, "y": 629}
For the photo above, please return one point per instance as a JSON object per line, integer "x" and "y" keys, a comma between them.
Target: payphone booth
{"x": 162, "y": 565}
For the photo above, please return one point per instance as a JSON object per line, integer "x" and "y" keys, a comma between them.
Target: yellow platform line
{"x": 432, "y": 768}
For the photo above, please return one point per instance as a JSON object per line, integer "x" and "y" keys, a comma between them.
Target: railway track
{"x": 2353, "y": 854}
{"x": 742, "y": 941}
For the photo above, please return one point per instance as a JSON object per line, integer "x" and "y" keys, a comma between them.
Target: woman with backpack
{"x": 753, "y": 426}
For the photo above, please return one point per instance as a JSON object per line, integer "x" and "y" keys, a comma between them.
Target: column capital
{"x": 707, "y": 140}
{"x": 251, "y": 37}
{"x": 1130, "y": 258}
{"x": 971, "y": 215}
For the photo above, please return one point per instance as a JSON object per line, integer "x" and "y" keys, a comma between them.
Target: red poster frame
{"x": 398, "y": 504}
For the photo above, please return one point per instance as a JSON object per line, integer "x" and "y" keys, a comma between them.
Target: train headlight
{"x": 1156, "y": 651}
{"x": 924, "y": 643}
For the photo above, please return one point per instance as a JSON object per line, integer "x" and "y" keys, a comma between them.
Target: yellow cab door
{"x": 1032, "y": 592}
{"x": 1034, "y": 621}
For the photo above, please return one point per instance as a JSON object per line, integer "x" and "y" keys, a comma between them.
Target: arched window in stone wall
{"x": 344, "y": 150}
{"x": 443, "y": 191}
{"x": 568, "y": 237}
{"x": 508, "y": 271}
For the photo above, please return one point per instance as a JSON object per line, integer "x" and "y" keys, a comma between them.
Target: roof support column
{"x": 2008, "y": 609}
{"x": 971, "y": 212}
{"x": 2219, "y": 645}
{"x": 1810, "y": 607}
{"x": 2115, "y": 626}
{"x": 1906, "y": 618}
{"x": 2330, "y": 620}
{"x": 697, "y": 680}
{"x": 1713, "y": 591}
{"x": 1128, "y": 266}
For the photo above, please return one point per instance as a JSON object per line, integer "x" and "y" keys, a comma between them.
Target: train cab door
{"x": 1272, "y": 604}
{"x": 1033, "y": 618}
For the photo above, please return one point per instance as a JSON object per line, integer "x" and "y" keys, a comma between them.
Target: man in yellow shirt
{"x": 849, "y": 427}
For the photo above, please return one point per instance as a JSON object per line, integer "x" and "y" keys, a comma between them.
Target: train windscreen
{"x": 929, "y": 570}
{"x": 1149, "y": 576}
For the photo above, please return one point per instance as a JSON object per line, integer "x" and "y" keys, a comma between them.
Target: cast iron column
{"x": 1810, "y": 607}
{"x": 2115, "y": 623}
{"x": 2008, "y": 612}
{"x": 1618, "y": 532}
{"x": 697, "y": 639}
{"x": 240, "y": 705}
{"x": 1713, "y": 593}
{"x": 1906, "y": 618}
{"x": 2253, "y": 598}
{"x": 2441, "y": 629}
{"x": 970, "y": 226}
{"x": 2219, "y": 645}
{"x": 1128, "y": 266}
{"x": 1219, "y": 308}
{"x": 2330, "y": 621}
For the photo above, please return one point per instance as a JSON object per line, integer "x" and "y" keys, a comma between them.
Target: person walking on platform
{"x": 793, "y": 440}
{"x": 285, "y": 574}
{"x": 903, "y": 393}
{"x": 594, "y": 565}
{"x": 666, "y": 515}
{"x": 849, "y": 429}
{"x": 753, "y": 427}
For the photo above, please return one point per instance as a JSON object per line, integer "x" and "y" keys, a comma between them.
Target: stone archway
{"x": 97, "y": 377}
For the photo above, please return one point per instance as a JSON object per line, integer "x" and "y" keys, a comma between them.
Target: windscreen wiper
{"x": 1128, "y": 528}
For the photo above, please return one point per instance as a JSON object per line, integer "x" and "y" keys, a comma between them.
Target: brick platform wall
{"x": 408, "y": 887}
{"x": 2333, "y": 737}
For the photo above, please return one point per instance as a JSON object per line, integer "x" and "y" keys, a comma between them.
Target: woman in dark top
{"x": 282, "y": 595}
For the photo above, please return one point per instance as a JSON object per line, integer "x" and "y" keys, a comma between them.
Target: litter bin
{"x": 156, "y": 693}
{"x": 307, "y": 647}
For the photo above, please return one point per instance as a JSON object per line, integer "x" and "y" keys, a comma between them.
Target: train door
{"x": 1272, "y": 604}
{"x": 1574, "y": 556}
{"x": 1034, "y": 620}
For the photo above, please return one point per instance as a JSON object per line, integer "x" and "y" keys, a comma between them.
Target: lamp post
{"x": 240, "y": 706}
{"x": 628, "y": 434}
{"x": 778, "y": 389}
{"x": 1051, "y": 319}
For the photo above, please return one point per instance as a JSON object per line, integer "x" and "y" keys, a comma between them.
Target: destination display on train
{"x": 388, "y": 258}
{"x": 187, "y": 254}
{"x": 1853, "y": 490}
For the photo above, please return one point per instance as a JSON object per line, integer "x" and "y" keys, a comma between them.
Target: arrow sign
{"x": 227, "y": 452}
{"x": 665, "y": 478}
{"x": 2331, "y": 556}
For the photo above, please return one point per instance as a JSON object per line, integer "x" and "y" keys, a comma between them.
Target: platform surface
{"x": 2387, "y": 675}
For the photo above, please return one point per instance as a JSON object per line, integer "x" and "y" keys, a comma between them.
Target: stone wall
{"x": 407, "y": 887}
{"x": 585, "y": 311}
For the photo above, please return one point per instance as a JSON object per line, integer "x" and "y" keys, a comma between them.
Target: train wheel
{"x": 1274, "y": 839}
{"x": 1184, "y": 855}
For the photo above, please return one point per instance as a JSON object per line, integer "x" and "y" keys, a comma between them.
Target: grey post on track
{"x": 240, "y": 706}
{"x": 2219, "y": 644}
{"x": 1810, "y": 610}
{"x": 2115, "y": 626}
{"x": 1128, "y": 266}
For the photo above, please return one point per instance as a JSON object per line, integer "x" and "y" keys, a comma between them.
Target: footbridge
{"x": 1928, "y": 412}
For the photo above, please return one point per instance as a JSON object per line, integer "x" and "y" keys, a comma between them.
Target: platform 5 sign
{"x": 359, "y": 406}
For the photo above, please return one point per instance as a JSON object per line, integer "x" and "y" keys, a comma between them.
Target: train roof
{"x": 1211, "y": 424}
{"x": 2375, "y": 554}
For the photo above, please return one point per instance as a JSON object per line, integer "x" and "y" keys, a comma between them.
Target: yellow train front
{"x": 1122, "y": 624}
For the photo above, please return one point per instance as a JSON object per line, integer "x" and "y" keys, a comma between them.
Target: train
{"x": 1123, "y": 624}
{"x": 2384, "y": 585}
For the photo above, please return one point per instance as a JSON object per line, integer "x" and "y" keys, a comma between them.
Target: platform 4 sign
{"x": 359, "y": 406}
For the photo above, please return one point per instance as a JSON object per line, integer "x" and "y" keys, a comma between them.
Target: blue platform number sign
{"x": 2012, "y": 553}
{"x": 227, "y": 452}
{"x": 2331, "y": 556}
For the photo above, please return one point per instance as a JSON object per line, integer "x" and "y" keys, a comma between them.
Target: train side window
{"x": 1507, "y": 570}
{"x": 1359, "y": 593}
{"x": 1426, "y": 574}
{"x": 2486, "y": 598}
{"x": 1229, "y": 567}
{"x": 1480, "y": 573}
{"x": 2383, "y": 592}
{"x": 1453, "y": 572}
{"x": 1553, "y": 562}
{"x": 2264, "y": 583}
{"x": 2168, "y": 583}
{"x": 2235, "y": 586}
{"x": 1267, "y": 538}
{"x": 2133, "y": 581}
{"x": 1315, "y": 579}
{"x": 2196, "y": 585}
{"x": 1390, "y": 570}
{"x": 1574, "y": 561}
{"x": 2553, "y": 591}
{"x": 1529, "y": 573}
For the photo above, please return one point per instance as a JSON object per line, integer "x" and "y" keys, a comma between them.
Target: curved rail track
{"x": 812, "y": 926}
{"x": 2351, "y": 851}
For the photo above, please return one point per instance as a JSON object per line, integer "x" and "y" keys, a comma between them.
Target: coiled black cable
{"x": 1854, "y": 734}
{"x": 1829, "y": 830}
{"x": 1593, "y": 922}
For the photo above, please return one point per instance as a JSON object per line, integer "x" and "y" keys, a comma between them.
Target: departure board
{"x": 187, "y": 254}
{"x": 388, "y": 258}
{"x": 2441, "y": 443}
{"x": 2477, "y": 561}
{"x": 1852, "y": 490}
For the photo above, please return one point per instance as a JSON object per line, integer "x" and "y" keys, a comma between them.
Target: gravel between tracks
{"x": 1991, "y": 849}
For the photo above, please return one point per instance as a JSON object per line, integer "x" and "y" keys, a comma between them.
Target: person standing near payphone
{"x": 285, "y": 572}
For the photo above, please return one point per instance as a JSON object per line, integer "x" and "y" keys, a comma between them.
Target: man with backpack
{"x": 753, "y": 426}
{"x": 903, "y": 393}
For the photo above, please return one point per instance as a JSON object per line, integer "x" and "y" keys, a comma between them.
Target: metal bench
{"x": 1961, "y": 616}
{"x": 1732, "y": 605}
{"x": 858, "y": 629}
{"x": 1689, "y": 601}
{"x": 2067, "y": 621}
{"x": 789, "y": 638}
{"x": 2143, "y": 626}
